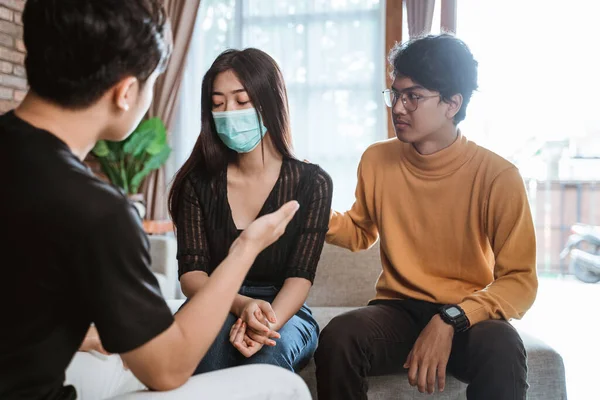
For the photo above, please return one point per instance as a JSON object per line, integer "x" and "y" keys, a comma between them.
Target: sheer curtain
{"x": 212, "y": 34}
{"x": 419, "y": 14}
{"x": 182, "y": 16}
{"x": 330, "y": 52}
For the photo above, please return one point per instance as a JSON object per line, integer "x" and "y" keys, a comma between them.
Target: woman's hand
{"x": 258, "y": 317}
{"x": 241, "y": 341}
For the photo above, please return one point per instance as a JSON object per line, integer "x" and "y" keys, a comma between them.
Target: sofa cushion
{"x": 96, "y": 379}
{"x": 392, "y": 387}
{"x": 325, "y": 314}
{"x": 345, "y": 279}
{"x": 546, "y": 372}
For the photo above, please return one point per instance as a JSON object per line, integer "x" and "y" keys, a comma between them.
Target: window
{"x": 538, "y": 77}
{"x": 331, "y": 55}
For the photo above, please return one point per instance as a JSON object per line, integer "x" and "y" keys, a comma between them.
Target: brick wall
{"x": 13, "y": 82}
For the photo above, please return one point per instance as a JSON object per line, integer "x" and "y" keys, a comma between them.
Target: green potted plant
{"x": 127, "y": 163}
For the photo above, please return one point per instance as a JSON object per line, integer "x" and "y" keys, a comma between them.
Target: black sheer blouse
{"x": 206, "y": 228}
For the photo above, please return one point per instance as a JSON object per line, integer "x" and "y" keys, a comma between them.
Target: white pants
{"x": 97, "y": 379}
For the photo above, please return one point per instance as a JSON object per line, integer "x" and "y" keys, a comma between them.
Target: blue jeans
{"x": 299, "y": 337}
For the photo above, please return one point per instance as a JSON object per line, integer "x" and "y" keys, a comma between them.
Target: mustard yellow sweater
{"x": 455, "y": 227}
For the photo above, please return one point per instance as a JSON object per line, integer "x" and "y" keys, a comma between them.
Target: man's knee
{"x": 501, "y": 342}
{"x": 342, "y": 334}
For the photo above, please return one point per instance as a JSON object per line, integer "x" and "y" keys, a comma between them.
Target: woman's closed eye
{"x": 241, "y": 103}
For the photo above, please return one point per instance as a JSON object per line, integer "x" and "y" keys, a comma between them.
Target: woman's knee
{"x": 271, "y": 358}
{"x": 288, "y": 353}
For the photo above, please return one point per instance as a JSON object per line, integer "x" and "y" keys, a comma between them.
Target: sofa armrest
{"x": 163, "y": 250}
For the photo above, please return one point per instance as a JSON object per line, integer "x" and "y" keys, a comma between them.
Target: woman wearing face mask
{"x": 242, "y": 167}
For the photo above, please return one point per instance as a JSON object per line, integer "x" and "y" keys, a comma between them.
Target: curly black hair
{"x": 441, "y": 63}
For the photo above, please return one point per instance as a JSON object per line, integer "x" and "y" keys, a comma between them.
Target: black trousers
{"x": 375, "y": 340}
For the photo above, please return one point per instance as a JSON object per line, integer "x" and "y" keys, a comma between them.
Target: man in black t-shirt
{"x": 74, "y": 252}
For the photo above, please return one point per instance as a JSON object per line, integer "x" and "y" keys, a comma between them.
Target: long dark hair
{"x": 261, "y": 77}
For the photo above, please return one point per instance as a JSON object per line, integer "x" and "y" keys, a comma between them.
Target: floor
{"x": 566, "y": 315}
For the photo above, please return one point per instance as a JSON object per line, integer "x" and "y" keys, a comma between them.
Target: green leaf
{"x": 127, "y": 163}
{"x": 124, "y": 180}
{"x": 101, "y": 149}
{"x": 133, "y": 165}
{"x": 150, "y": 137}
{"x": 160, "y": 136}
{"x": 111, "y": 171}
{"x": 155, "y": 162}
{"x": 138, "y": 142}
{"x": 116, "y": 151}
{"x": 151, "y": 124}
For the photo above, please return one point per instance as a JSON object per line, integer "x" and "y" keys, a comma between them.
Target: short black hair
{"x": 441, "y": 63}
{"x": 78, "y": 49}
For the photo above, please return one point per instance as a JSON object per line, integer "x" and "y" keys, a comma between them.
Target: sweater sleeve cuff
{"x": 474, "y": 311}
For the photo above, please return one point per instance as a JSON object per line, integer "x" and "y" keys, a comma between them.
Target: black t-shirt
{"x": 206, "y": 230}
{"x": 72, "y": 252}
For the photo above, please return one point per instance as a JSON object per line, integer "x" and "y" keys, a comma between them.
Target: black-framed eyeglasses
{"x": 410, "y": 100}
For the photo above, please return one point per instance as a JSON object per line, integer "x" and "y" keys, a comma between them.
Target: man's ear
{"x": 126, "y": 92}
{"x": 454, "y": 105}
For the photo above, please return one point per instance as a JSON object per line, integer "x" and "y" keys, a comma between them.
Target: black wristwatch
{"x": 455, "y": 316}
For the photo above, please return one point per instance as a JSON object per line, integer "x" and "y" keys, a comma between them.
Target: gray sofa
{"x": 346, "y": 280}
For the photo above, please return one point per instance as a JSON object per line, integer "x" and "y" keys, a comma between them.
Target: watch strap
{"x": 460, "y": 323}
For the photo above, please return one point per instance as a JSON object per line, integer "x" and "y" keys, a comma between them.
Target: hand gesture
{"x": 265, "y": 230}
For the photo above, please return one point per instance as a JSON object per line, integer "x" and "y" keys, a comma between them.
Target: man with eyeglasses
{"x": 458, "y": 246}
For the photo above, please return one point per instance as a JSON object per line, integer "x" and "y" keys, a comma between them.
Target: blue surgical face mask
{"x": 240, "y": 130}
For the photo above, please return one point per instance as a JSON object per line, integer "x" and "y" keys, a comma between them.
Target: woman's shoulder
{"x": 201, "y": 182}
{"x": 305, "y": 167}
{"x": 312, "y": 173}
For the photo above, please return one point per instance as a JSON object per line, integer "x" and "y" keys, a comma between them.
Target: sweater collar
{"x": 442, "y": 162}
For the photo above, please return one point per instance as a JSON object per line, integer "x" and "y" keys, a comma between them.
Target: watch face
{"x": 453, "y": 312}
